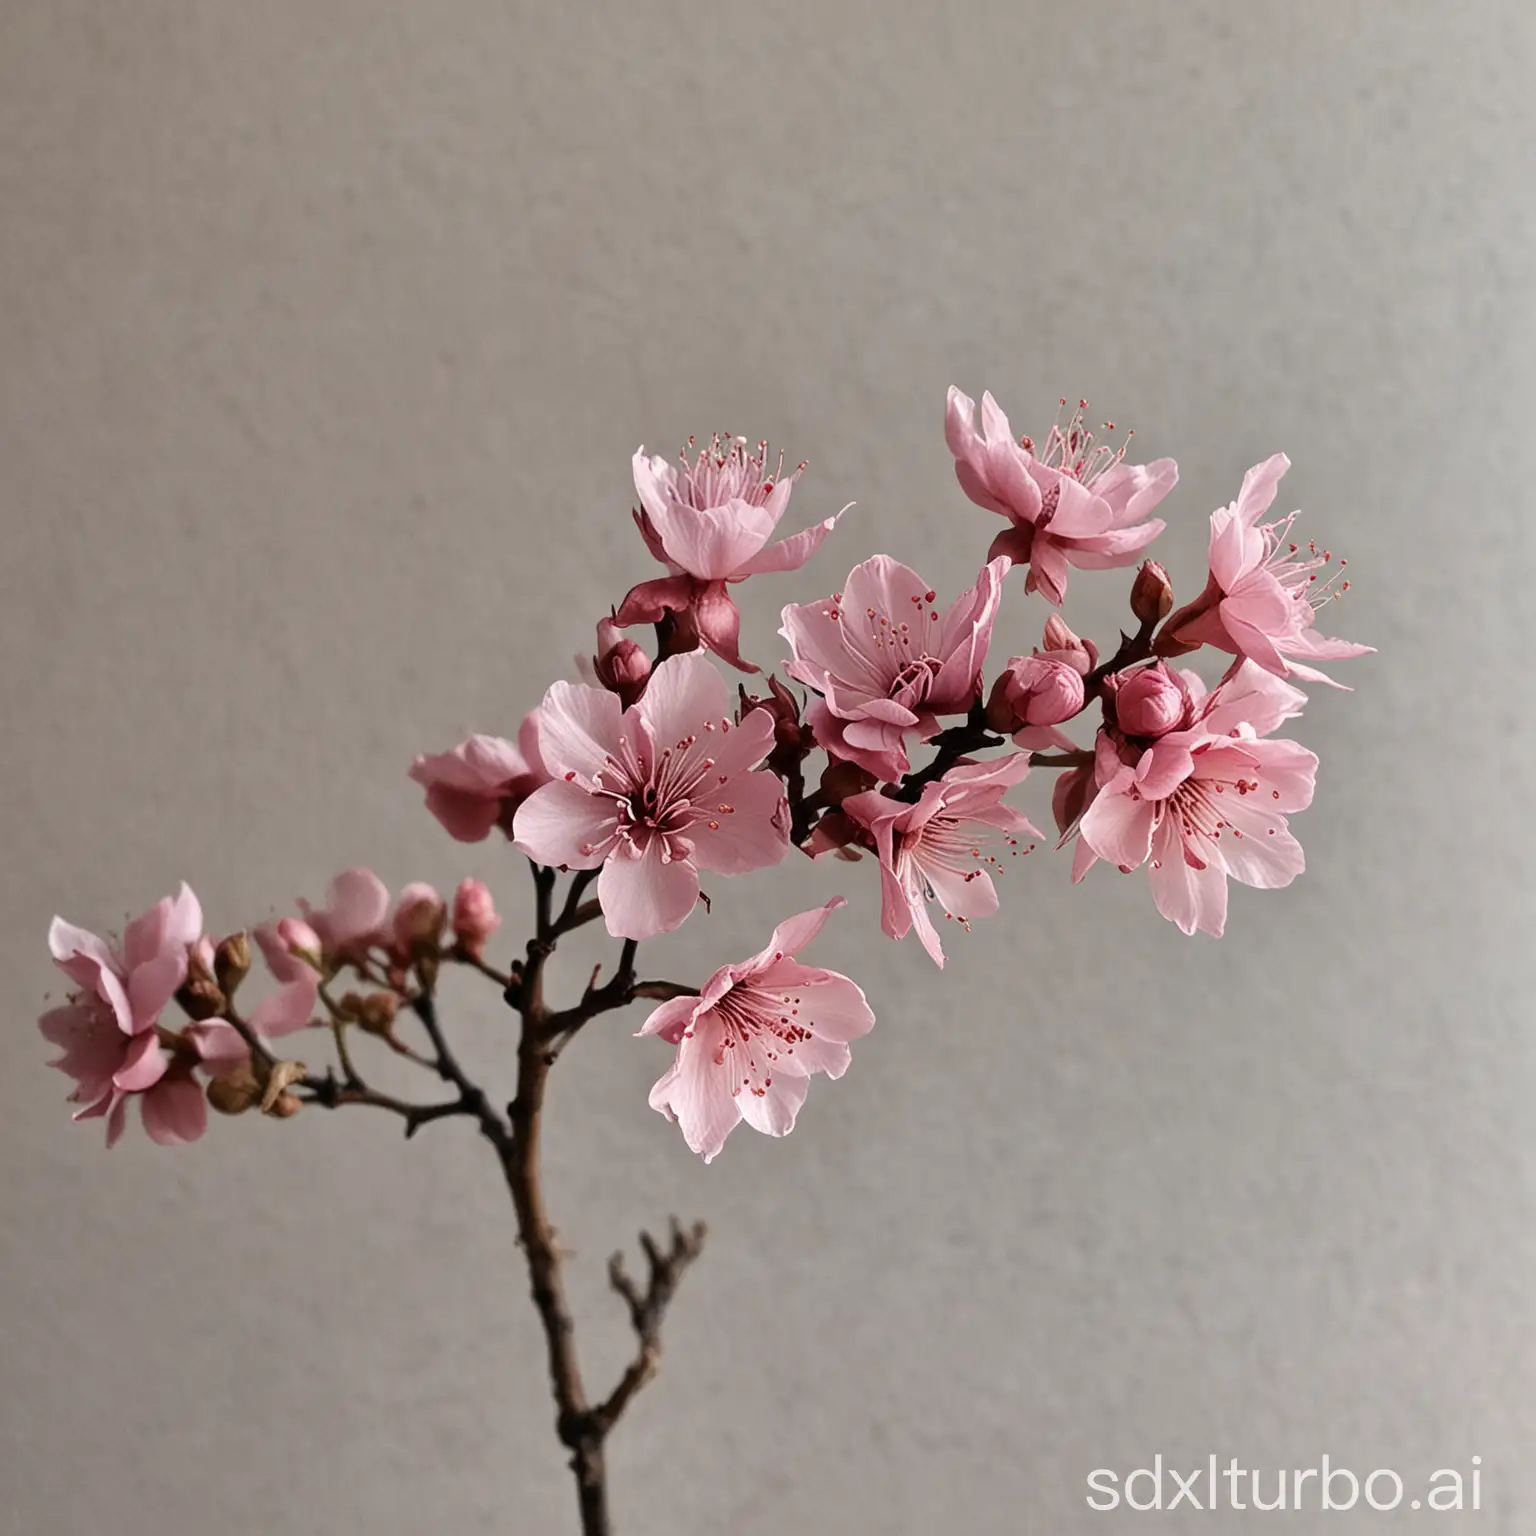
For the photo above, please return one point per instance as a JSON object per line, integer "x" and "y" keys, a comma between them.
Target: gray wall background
{"x": 327, "y": 332}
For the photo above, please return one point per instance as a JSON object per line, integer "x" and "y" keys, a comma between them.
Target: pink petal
{"x": 712, "y": 543}
{"x": 696, "y": 1093}
{"x": 643, "y": 896}
{"x": 146, "y": 936}
{"x": 792, "y": 935}
{"x": 1259, "y": 487}
{"x": 788, "y": 554}
{"x": 466, "y": 816}
{"x": 1287, "y": 773}
{"x": 966, "y": 894}
{"x": 1191, "y": 897}
{"x": 1257, "y": 847}
{"x": 185, "y": 922}
{"x": 288, "y": 1009}
{"x": 220, "y": 1047}
{"x": 144, "y": 1064}
{"x": 683, "y": 692}
{"x": 655, "y": 481}
{"x": 153, "y": 984}
{"x": 563, "y": 824}
{"x": 357, "y": 904}
{"x": 174, "y": 1112}
{"x": 774, "y": 1110}
{"x": 1118, "y": 827}
{"x": 579, "y": 727}
{"x": 836, "y": 1007}
{"x": 671, "y": 1019}
{"x": 1253, "y": 697}
{"x": 747, "y": 827}
{"x": 117, "y": 1118}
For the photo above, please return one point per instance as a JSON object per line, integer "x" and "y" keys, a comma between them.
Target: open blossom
{"x": 748, "y": 1045}
{"x": 654, "y": 793}
{"x": 1205, "y": 803}
{"x": 708, "y": 520}
{"x": 354, "y": 916}
{"x": 480, "y": 783}
{"x": 107, "y": 1027}
{"x": 886, "y": 662}
{"x": 1263, "y": 593}
{"x": 1070, "y": 503}
{"x": 945, "y": 847}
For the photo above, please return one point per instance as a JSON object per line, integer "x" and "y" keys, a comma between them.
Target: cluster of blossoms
{"x": 646, "y": 777}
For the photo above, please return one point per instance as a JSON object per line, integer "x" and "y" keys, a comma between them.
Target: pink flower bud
{"x": 621, "y": 664}
{"x": 1035, "y": 690}
{"x": 298, "y": 938}
{"x": 419, "y": 917}
{"x": 1149, "y": 702}
{"x": 1151, "y": 593}
{"x": 475, "y": 917}
{"x": 1060, "y": 644}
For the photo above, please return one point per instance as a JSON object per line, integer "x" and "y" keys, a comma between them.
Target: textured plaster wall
{"x": 326, "y": 333}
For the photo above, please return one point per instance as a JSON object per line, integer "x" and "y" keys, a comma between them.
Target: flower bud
{"x": 621, "y": 665}
{"x": 376, "y": 1012}
{"x": 298, "y": 938}
{"x": 792, "y": 741}
{"x": 420, "y": 914}
{"x": 232, "y": 962}
{"x": 475, "y": 917}
{"x": 199, "y": 995}
{"x": 285, "y": 1106}
{"x": 1151, "y": 594}
{"x": 1034, "y": 690}
{"x": 1149, "y": 702}
{"x": 235, "y": 1091}
{"x": 1060, "y": 644}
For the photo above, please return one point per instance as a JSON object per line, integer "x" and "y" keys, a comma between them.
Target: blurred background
{"x": 327, "y": 334}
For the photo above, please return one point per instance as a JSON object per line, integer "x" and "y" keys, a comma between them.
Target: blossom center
{"x": 727, "y": 470}
{"x": 757, "y": 1029}
{"x": 1070, "y": 448}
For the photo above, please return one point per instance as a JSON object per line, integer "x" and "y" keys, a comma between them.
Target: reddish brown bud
{"x": 235, "y": 1091}
{"x": 232, "y": 962}
{"x": 1151, "y": 594}
{"x": 376, "y": 1012}
{"x": 621, "y": 664}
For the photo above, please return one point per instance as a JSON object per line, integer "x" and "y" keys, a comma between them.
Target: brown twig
{"x": 647, "y": 1308}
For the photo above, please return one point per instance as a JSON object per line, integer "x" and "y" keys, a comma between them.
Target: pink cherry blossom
{"x": 107, "y": 1027}
{"x": 1263, "y": 593}
{"x": 354, "y": 916}
{"x": 1206, "y": 803}
{"x": 886, "y": 663}
{"x": 1073, "y": 503}
{"x": 942, "y": 847}
{"x": 482, "y": 781}
{"x": 475, "y": 917}
{"x": 708, "y": 521}
{"x": 748, "y": 1045}
{"x": 654, "y": 793}
{"x": 110, "y": 1069}
{"x": 139, "y": 977}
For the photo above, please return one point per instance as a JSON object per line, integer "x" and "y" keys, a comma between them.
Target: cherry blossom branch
{"x": 583, "y": 1428}
{"x": 647, "y": 1308}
